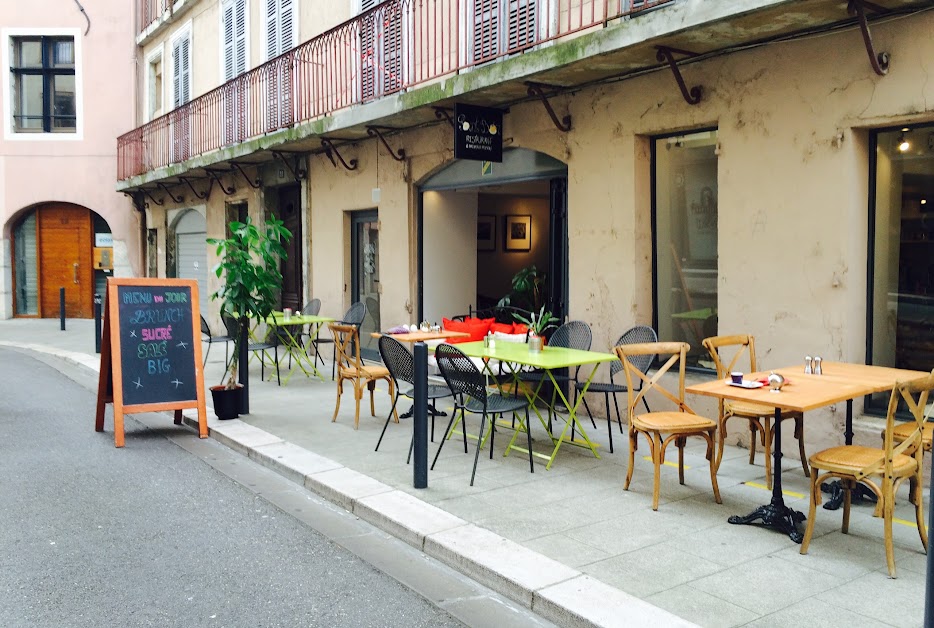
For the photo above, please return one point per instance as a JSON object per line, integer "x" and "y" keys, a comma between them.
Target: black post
{"x": 420, "y": 417}
{"x": 929, "y": 578}
{"x": 97, "y": 322}
{"x": 61, "y": 306}
{"x": 244, "y": 365}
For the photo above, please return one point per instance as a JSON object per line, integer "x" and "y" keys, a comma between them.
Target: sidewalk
{"x": 569, "y": 542}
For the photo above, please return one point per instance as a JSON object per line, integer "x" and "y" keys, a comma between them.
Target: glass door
{"x": 364, "y": 286}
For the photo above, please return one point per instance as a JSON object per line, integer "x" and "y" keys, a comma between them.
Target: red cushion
{"x": 501, "y": 327}
{"x": 458, "y": 340}
{"x": 519, "y": 328}
{"x": 476, "y": 328}
{"x": 450, "y": 325}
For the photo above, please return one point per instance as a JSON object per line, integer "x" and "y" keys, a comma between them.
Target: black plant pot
{"x": 227, "y": 401}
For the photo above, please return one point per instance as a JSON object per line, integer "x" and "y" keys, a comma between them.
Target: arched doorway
{"x": 55, "y": 246}
{"x": 191, "y": 252}
{"x": 518, "y": 212}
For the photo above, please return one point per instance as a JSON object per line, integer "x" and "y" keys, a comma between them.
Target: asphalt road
{"x": 153, "y": 534}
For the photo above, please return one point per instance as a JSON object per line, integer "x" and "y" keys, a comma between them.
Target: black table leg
{"x": 775, "y": 514}
{"x": 860, "y": 493}
{"x": 432, "y": 411}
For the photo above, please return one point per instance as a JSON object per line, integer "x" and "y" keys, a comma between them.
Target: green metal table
{"x": 293, "y": 344}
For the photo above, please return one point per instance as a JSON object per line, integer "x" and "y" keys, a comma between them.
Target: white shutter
{"x": 286, "y": 25}
{"x": 366, "y": 5}
{"x": 176, "y": 73}
{"x": 485, "y": 29}
{"x": 185, "y": 87}
{"x": 229, "y": 54}
{"x": 240, "y": 63}
{"x": 521, "y": 24}
{"x": 272, "y": 29}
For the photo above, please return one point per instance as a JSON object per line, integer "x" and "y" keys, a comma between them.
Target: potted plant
{"x": 538, "y": 325}
{"x": 527, "y": 289}
{"x": 249, "y": 267}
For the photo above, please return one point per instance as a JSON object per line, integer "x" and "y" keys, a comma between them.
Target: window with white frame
{"x": 280, "y": 22}
{"x": 181, "y": 68}
{"x": 234, "y": 30}
{"x": 44, "y": 95}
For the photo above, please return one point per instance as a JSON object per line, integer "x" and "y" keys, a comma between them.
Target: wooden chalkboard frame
{"x": 110, "y": 382}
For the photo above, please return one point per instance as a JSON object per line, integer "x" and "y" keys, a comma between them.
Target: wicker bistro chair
{"x": 468, "y": 386}
{"x": 401, "y": 365}
{"x": 728, "y": 353}
{"x": 635, "y": 335}
{"x": 571, "y": 335}
{"x": 353, "y": 316}
{"x": 677, "y": 424}
{"x": 210, "y": 338}
{"x": 351, "y": 368}
{"x": 882, "y": 470}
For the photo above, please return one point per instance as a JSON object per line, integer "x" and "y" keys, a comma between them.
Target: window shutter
{"x": 240, "y": 60}
{"x": 230, "y": 70}
{"x": 272, "y": 29}
{"x": 185, "y": 49}
{"x": 521, "y": 24}
{"x": 485, "y": 29}
{"x": 366, "y": 5}
{"x": 177, "y": 73}
{"x": 287, "y": 26}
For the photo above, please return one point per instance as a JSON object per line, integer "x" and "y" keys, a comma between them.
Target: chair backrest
{"x": 312, "y": 308}
{"x": 632, "y": 336}
{"x": 730, "y": 353}
{"x": 230, "y": 323}
{"x": 915, "y": 393}
{"x": 461, "y": 374}
{"x": 204, "y": 328}
{"x": 639, "y": 384}
{"x": 355, "y": 315}
{"x": 346, "y": 345}
{"x": 372, "y": 307}
{"x": 397, "y": 359}
{"x": 572, "y": 335}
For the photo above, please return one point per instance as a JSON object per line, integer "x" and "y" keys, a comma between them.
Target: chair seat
{"x": 904, "y": 430}
{"x": 497, "y": 403}
{"x": 672, "y": 422}
{"x": 534, "y": 376}
{"x": 260, "y": 346}
{"x": 755, "y": 410}
{"x": 369, "y": 372}
{"x": 602, "y": 387}
{"x": 219, "y": 339}
{"x": 435, "y": 391}
{"x": 854, "y": 458}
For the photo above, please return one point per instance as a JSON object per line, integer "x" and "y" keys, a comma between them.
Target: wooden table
{"x": 548, "y": 359}
{"x": 840, "y": 382}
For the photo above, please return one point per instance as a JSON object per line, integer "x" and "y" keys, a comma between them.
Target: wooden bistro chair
{"x": 882, "y": 470}
{"x": 351, "y": 367}
{"x": 738, "y": 353}
{"x": 661, "y": 428}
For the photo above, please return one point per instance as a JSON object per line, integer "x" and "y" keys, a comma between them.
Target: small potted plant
{"x": 538, "y": 325}
{"x": 249, "y": 267}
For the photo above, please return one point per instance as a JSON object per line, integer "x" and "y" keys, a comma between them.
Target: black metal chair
{"x": 312, "y": 308}
{"x": 470, "y": 395}
{"x": 571, "y": 335}
{"x": 353, "y": 316}
{"x": 209, "y": 337}
{"x": 401, "y": 365}
{"x": 635, "y": 335}
{"x": 272, "y": 341}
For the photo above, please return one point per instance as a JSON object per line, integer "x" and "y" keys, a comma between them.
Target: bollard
{"x": 929, "y": 578}
{"x": 97, "y": 322}
{"x": 420, "y": 416}
{"x": 61, "y": 306}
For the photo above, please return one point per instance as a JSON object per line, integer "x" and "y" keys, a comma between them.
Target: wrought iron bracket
{"x": 330, "y": 150}
{"x": 151, "y": 197}
{"x": 255, "y": 184}
{"x": 535, "y": 89}
{"x": 139, "y": 202}
{"x": 199, "y": 195}
{"x": 298, "y": 173}
{"x": 175, "y": 199}
{"x": 665, "y": 54}
{"x": 215, "y": 176}
{"x": 444, "y": 112}
{"x": 857, "y": 8}
{"x": 374, "y": 131}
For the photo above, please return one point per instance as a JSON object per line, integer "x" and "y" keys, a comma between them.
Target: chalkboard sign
{"x": 151, "y": 350}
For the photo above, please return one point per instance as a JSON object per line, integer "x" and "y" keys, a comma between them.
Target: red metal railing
{"x": 396, "y": 45}
{"x": 152, "y": 10}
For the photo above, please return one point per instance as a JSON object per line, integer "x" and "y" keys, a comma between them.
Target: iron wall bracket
{"x": 330, "y": 150}
{"x": 162, "y": 186}
{"x": 151, "y": 197}
{"x": 215, "y": 176}
{"x": 255, "y": 184}
{"x": 374, "y": 131}
{"x": 535, "y": 89}
{"x": 665, "y": 54}
{"x": 857, "y": 8}
{"x": 138, "y": 198}
{"x": 298, "y": 173}
{"x": 199, "y": 195}
{"x": 444, "y": 112}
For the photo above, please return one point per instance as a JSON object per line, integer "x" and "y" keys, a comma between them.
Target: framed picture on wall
{"x": 518, "y": 233}
{"x": 486, "y": 233}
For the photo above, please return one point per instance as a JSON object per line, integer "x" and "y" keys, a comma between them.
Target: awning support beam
{"x": 373, "y": 131}
{"x": 215, "y": 176}
{"x": 298, "y": 173}
{"x": 199, "y": 195}
{"x": 330, "y": 150}
{"x": 175, "y": 199}
{"x": 444, "y": 112}
{"x": 665, "y": 54}
{"x": 535, "y": 89}
{"x": 857, "y": 8}
{"x": 257, "y": 184}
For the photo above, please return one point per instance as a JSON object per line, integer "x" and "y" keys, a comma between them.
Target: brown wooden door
{"x": 65, "y": 261}
{"x": 289, "y": 211}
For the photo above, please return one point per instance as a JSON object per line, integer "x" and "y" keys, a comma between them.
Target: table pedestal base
{"x": 777, "y": 516}
{"x": 432, "y": 411}
{"x": 858, "y": 494}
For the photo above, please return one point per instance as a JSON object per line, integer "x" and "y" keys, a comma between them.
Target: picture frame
{"x": 518, "y": 233}
{"x": 486, "y": 233}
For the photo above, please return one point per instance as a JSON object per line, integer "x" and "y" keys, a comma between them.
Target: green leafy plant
{"x": 538, "y": 324}
{"x": 528, "y": 286}
{"x": 249, "y": 267}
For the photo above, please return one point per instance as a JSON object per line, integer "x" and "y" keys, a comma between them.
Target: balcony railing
{"x": 152, "y": 10}
{"x": 396, "y": 45}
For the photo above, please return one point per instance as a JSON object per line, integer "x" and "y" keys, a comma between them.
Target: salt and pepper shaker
{"x": 807, "y": 365}
{"x": 817, "y": 367}
{"x": 486, "y": 340}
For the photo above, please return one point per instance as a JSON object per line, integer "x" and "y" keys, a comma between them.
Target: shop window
{"x": 43, "y": 82}
{"x": 26, "y": 267}
{"x": 901, "y": 272}
{"x": 685, "y": 228}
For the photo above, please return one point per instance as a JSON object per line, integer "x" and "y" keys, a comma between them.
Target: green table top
{"x": 547, "y": 358}
{"x": 278, "y": 318}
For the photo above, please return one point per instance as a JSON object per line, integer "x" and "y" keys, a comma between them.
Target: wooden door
{"x": 65, "y": 261}
{"x": 289, "y": 211}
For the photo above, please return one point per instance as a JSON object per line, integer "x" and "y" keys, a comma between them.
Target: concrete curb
{"x": 555, "y": 591}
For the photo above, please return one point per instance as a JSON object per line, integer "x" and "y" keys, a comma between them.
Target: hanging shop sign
{"x": 478, "y": 133}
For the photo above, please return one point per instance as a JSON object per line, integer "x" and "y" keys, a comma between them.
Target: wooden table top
{"x": 421, "y": 336}
{"x": 840, "y": 381}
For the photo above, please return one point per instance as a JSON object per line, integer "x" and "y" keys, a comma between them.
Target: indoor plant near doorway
{"x": 249, "y": 268}
{"x": 538, "y": 325}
